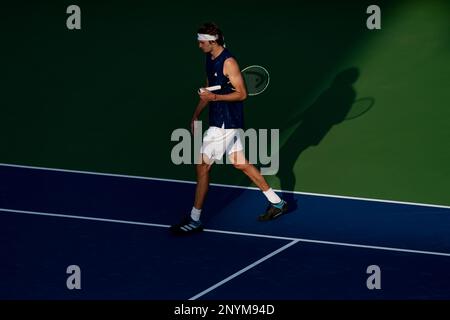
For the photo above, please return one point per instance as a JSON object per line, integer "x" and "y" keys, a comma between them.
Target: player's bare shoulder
{"x": 231, "y": 61}
{"x": 230, "y": 66}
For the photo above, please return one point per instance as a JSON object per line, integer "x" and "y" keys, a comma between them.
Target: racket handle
{"x": 213, "y": 88}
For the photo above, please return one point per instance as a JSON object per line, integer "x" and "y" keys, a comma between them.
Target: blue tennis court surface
{"x": 115, "y": 228}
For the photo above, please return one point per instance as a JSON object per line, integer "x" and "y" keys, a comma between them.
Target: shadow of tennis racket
{"x": 360, "y": 107}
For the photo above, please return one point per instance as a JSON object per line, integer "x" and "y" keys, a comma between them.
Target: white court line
{"x": 234, "y": 275}
{"x": 344, "y": 244}
{"x": 221, "y": 185}
{"x": 85, "y": 218}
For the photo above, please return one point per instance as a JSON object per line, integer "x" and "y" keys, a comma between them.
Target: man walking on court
{"x": 225, "y": 120}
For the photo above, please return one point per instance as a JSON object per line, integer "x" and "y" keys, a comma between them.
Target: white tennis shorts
{"x": 217, "y": 141}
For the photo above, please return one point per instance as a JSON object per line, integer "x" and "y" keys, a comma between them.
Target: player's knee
{"x": 203, "y": 168}
{"x": 240, "y": 166}
{"x": 238, "y": 161}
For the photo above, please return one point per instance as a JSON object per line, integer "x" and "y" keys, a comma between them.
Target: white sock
{"x": 272, "y": 196}
{"x": 195, "y": 213}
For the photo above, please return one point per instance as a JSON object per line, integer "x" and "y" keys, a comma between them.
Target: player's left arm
{"x": 232, "y": 71}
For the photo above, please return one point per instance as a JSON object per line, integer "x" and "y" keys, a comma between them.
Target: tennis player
{"x": 225, "y": 120}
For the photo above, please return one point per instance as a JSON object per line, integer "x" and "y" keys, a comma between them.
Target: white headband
{"x": 206, "y": 37}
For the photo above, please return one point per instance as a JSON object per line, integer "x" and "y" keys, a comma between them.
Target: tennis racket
{"x": 256, "y": 79}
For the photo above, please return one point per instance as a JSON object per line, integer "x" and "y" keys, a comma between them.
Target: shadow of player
{"x": 329, "y": 109}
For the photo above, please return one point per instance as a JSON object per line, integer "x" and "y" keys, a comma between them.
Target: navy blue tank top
{"x": 228, "y": 113}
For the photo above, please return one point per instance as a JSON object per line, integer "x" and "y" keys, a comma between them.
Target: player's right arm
{"x": 198, "y": 110}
